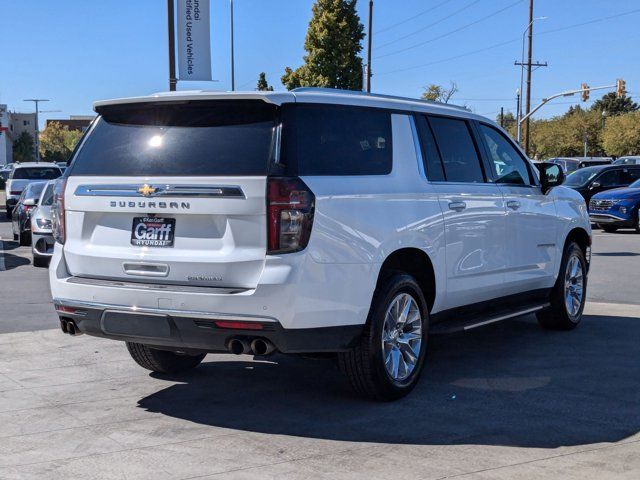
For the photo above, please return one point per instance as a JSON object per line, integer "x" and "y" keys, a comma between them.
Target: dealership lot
{"x": 506, "y": 401}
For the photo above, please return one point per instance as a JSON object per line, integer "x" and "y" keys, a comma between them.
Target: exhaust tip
{"x": 262, "y": 346}
{"x": 238, "y": 346}
{"x": 63, "y": 326}
{"x": 71, "y": 328}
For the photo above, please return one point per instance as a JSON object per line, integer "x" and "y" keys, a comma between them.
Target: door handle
{"x": 513, "y": 204}
{"x": 457, "y": 206}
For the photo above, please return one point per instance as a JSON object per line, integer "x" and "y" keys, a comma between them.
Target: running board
{"x": 469, "y": 323}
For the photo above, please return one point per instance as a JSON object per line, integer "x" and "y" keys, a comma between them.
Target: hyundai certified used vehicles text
{"x": 592, "y": 180}
{"x": 41, "y": 234}
{"x": 21, "y": 215}
{"x": 617, "y": 208}
{"x": 308, "y": 222}
{"x": 23, "y": 174}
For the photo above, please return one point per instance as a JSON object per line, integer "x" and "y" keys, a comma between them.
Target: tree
{"x": 263, "y": 86}
{"x": 23, "y": 148}
{"x": 621, "y": 134}
{"x": 332, "y": 45}
{"x": 57, "y": 142}
{"x": 614, "y": 105}
{"x": 508, "y": 122}
{"x": 438, "y": 93}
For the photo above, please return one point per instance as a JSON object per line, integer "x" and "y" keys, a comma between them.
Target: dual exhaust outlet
{"x": 69, "y": 327}
{"x": 257, "y": 346}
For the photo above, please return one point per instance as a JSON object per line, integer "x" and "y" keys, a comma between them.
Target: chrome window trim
{"x": 162, "y": 190}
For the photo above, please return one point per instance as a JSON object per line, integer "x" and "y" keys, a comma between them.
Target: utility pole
{"x": 173, "y": 81}
{"x": 37, "y": 139}
{"x": 233, "y": 61}
{"x": 502, "y": 117}
{"x": 518, "y": 117}
{"x": 529, "y": 59}
{"x": 370, "y": 41}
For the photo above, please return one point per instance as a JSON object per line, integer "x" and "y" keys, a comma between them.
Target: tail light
{"x": 290, "y": 205}
{"x": 58, "y": 222}
{"x": 15, "y": 193}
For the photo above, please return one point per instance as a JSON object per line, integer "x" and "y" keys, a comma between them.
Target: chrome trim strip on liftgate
{"x": 161, "y": 190}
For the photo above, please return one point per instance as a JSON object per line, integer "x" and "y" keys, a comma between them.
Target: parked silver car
{"x": 41, "y": 235}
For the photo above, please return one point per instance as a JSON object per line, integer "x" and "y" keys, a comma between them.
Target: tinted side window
{"x": 430, "y": 155}
{"x": 630, "y": 175}
{"x": 336, "y": 140}
{"x": 508, "y": 166}
{"x": 459, "y": 155}
{"x": 610, "y": 178}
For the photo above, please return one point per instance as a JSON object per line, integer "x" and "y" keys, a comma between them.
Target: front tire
{"x": 609, "y": 228}
{"x": 387, "y": 363}
{"x": 40, "y": 262}
{"x": 162, "y": 361}
{"x": 24, "y": 238}
{"x": 569, "y": 294}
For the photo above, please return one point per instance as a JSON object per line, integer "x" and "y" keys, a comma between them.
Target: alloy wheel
{"x": 573, "y": 285}
{"x": 402, "y": 337}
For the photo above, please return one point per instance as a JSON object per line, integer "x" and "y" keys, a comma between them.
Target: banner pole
{"x": 172, "y": 46}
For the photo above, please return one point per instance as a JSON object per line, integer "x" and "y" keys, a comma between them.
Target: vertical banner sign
{"x": 194, "y": 43}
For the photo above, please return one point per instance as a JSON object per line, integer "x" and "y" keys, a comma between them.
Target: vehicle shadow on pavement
{"x": 13, "y": 261}
{"x": 510, "y": 384}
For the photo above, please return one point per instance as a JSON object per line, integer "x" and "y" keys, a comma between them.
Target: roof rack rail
{"x": 375, "y": 95}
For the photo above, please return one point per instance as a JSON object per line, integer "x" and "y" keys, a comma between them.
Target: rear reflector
{"x": 238, "y": 325}
{"x": 70, "y": 310}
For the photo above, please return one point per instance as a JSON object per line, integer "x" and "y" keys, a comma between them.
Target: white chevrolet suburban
{"x": 307, "y": 222}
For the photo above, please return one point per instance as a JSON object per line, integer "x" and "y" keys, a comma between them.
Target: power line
{"x": 497, "y": 12}
{"x": 507, "y": 42}
{"x": 402, "y": 22}
{"x": 430, "y": 25}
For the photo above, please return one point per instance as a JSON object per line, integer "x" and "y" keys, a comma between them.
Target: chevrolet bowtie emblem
{"x": 146, "y": 190}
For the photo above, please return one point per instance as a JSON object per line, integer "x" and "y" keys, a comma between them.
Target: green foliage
{"x": 333, "y": 46}
{"x": 564, "y": 136}
{"x": 438, "y": 93}
{"x": 263, "y": 86}
{"x": 621, "y": 135}
{"x": 57, "y": 142}
{"x": 24, "y": 148}
{"x": 614, "y": 105}
{"x": 509, "y": 123}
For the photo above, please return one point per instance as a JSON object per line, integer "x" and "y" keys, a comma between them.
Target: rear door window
{"x": 202, "y": 138}
{"x": 430, "y": 154}
{"x": 610, "y": 178}
{"x": 322, "y": 139}
{"x": 459, "y": 154}
{"x": 630, "y": 175}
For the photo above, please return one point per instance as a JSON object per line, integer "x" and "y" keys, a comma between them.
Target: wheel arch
{"x": 415, "y": 262}
{"x": 580, "y": 236}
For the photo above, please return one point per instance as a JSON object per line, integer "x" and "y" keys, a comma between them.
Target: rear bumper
{"x": 198, "y": 331}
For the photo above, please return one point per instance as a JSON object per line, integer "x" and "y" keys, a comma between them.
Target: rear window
{"x": 47, "y": 197}
{"x": 336, "y": 140}
{"x": 214, "y": 138}
{"x": 36, "y": 173}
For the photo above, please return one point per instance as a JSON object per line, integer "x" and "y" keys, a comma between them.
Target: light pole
{"x": 518, "y": 114}
{"x": 37, "y": 139}
{"x": 233, "y": 67}
{"x": 524, "y": 34}
{"x": 369, "y": 43}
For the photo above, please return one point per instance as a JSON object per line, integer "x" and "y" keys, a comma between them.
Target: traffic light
{"x": 585, "y": 92}
{"x": 621, "y": 88}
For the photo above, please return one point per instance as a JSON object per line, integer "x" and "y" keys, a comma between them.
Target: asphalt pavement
{"x": 506, "y": 401}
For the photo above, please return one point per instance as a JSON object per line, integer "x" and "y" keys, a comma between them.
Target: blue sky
{"x": 78, "y": 51}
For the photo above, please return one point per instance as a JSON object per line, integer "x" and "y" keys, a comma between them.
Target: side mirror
{"x": 551, "y": 175}
{"x": 595, "y": 185}
{"x": 30, "y": 202}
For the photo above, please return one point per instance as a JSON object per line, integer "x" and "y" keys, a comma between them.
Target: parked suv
{"x": 591, "y": 180}
{"x": 617, "y": 208}
{"x": 305, "y": 222}
{"x": 24, "y": 174}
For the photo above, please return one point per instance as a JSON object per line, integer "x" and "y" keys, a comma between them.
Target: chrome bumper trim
{"x": 160, "y": 311}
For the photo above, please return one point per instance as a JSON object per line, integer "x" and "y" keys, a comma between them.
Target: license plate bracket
{"x": 153, "y": 232}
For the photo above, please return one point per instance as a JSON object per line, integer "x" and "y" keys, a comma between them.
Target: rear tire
{"x": 609, "y": 228}
{"x": 569, "y": 294}
{"x": 162, "y": 361}
{"x": 387, "y": 363}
